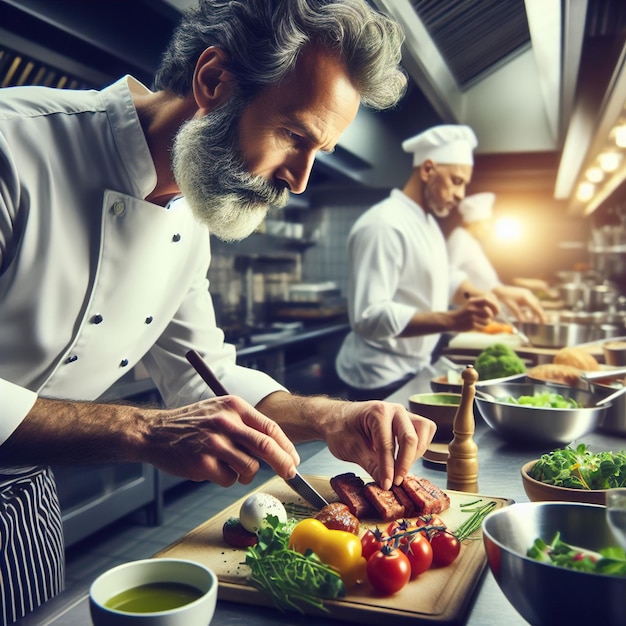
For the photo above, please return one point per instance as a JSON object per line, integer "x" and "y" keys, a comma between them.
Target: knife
{"x": 298, "y": 483}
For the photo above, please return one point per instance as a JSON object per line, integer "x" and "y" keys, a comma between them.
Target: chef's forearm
{"x": 61, "y": 432}
{"x": 302, "y": 418}
{"x": 428, "y": 323}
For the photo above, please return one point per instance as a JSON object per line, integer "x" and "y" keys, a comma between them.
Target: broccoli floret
{"x": 497, "y": 361}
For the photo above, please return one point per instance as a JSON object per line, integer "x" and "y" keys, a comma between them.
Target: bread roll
{"x": 577, "y": 357}
{"x": 556, "y": 373}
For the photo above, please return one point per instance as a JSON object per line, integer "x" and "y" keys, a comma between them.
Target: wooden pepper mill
{"x": 462, "y": 466}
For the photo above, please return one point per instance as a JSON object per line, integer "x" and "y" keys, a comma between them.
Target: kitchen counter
{"x": 499, "y": 475}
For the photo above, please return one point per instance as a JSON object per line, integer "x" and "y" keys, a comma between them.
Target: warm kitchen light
{"x": 620, "y": 136}
{"x": 508, "y": 229}
{"x": 609, "y": 161}
{"x": 595, "y": 175}
{"x": 585, "y": 191}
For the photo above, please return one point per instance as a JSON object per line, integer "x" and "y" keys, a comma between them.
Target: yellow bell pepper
{"x": 337, "y": 548}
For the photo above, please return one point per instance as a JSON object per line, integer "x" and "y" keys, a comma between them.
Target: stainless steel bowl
{"x": 542, "y": 593}
{"x": 615, "y": 419}
{"x": 539, "y": 425}
{"x": 555, "y": 335}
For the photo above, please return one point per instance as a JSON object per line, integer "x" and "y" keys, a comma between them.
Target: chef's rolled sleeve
{"x": 15, "y": 404}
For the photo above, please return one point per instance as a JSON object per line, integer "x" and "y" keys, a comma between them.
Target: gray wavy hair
{"x": 264, "y": 38}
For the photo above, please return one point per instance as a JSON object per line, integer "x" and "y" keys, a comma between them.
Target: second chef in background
{"x": 400, "y": 283}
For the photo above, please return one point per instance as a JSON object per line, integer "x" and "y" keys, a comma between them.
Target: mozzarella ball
{"x": 257, "y": 507}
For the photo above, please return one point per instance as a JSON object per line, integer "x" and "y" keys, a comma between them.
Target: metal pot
{"x": 572, "y": 294}
{"x": 599, "y": 297}
{"x": 556, "y": 335}
{"x": 615, "y": 419}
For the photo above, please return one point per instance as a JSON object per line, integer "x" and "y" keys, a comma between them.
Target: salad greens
{"x": 292, "y": 580}
{"x": 579, "y": 468}
{"x": 610, "y": 561}
{"x": 544, "y": 399}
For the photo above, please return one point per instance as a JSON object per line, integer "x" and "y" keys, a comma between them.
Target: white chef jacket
{"x": 466, "y": 254}
{"x": 398, "y": 265}
{"x": 92, "y": 277}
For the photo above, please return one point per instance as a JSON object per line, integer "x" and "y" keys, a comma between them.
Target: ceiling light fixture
{"x": 595, "y": 175}
{"x": 609, "y": 161}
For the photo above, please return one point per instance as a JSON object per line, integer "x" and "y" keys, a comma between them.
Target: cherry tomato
{"x": 388, "y": 570}
{"x": 429, "y": 520}
{"x": 445, "y": 547}
{"x": 399, "y": 527}
{"x": 419, "y": 552}
{"x": 371, "y": 541}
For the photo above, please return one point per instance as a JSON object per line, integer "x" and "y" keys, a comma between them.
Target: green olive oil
{"x": 153, "y": 597}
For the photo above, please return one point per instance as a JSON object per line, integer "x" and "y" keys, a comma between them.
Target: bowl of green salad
{"x": 557, "y": 562}
{"x": 574, "y": 474}
{"x": 541, "y": 414}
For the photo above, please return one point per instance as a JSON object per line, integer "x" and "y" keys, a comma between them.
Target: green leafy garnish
{"x": 292, "y": 580}
{"x": 610, "y": 561}
{"x": 578, "y": 468}
{"x": 543, "y": 400}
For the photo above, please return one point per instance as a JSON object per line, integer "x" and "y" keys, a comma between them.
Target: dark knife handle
{"x": 207, "y": 374}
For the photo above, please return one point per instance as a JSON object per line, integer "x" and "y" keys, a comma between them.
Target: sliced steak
{"x": 441, "y": 496}
{"x": 385, "y": 502}
{"x": 410, "y": 510}
{"x": 427, "y": 500}
{"x": 349, "y": 488}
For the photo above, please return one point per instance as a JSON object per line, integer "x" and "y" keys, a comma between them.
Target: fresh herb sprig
{"x": 475, "y": 520}
{"x": 292, "y": 580}
{"x": 610, "y": 561}
{"x": 579, "y": 468}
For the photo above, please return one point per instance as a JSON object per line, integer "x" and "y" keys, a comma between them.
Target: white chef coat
{"x": 92, "y": 277}
{"x": 466, "y": 254}
{"x": 398, "y": 265}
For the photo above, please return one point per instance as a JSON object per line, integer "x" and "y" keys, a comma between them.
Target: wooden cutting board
{"x": 438, "y": 595}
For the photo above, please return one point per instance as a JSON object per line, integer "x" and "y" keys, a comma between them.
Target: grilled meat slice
{"x": 385, "y": 502}
{"x": 426, "y": 496}
{"x": 410, "y": 510}
{"x": 349, "y": 489}
{"x": 337, "y": 516}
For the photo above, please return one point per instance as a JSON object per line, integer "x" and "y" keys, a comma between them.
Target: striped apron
{"x": 31, "y": 542}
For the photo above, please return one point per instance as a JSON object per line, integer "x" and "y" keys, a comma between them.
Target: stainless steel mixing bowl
{"x": 539, "y": 425}
{"x": 556, "y": 334}
{"x": 542, "y": 593}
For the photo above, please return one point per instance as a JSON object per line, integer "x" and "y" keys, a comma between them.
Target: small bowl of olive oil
{"x": 154, "y": 592}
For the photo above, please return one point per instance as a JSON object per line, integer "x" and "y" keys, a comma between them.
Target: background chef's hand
{"x": 382, "y": 437}
{"x": 220, "y": 439}
{"x": 522, "y": 302}
{"x": 474, "y": 313}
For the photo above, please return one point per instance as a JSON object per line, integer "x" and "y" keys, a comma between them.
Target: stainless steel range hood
{"x": 560, "y": 89}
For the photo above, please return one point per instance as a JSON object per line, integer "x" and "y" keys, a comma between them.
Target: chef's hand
{"x": 522, "y": 302}
{"x": 219, "y": 439}
{"x": 382, "y": 437}
{"x": 474, "y": 313}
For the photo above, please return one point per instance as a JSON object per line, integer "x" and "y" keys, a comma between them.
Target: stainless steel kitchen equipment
{"x": 556, "y": 334}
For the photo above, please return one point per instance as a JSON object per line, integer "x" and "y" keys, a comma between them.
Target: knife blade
{"x": 304, "y": 489}
{"x": 298, "y": 483}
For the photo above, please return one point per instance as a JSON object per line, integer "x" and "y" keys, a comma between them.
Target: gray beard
{"x": 212, "y": 176}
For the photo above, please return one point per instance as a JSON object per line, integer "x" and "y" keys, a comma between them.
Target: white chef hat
{"x": 450, "y": 143}
{"x": 477, "y": 207}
